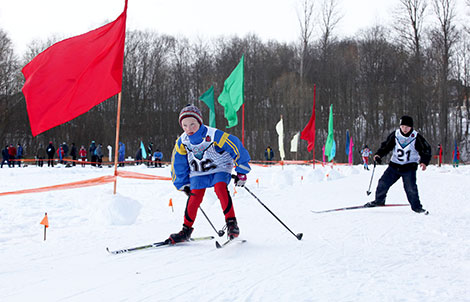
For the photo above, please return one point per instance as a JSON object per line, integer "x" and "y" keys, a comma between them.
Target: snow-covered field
{"x": 385, "y": 254}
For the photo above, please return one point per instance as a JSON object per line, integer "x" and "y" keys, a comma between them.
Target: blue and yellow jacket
{"x": 206, "y": 158}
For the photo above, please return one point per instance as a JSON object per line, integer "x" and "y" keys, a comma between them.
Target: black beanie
{"x": 406, "y": 120}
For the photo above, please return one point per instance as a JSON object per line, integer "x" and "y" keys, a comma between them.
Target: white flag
{"x": 280, "y": 132}
{"x": 294, "y": 142}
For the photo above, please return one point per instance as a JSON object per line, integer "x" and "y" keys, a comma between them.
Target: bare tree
{"x": 410, "y": 17}
{"x": 9, "y": 88}
{"x": 306, "y": 22}
{"x": 444, "y": 38}
{"x": 329, "y": 20}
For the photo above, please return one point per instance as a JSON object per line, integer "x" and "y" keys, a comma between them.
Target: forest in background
{"x": 419, "y": 67}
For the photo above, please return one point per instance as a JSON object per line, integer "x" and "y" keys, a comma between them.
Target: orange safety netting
{"x": 72, "y": 185}
{"x": 128, "y": 174}
{"x": 89, "y": 182}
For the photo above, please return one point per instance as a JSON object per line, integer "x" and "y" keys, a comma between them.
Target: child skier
{"x": 409, "y": 148}
{"x": 365, "y": 156}
{"x": 203, "y": 157}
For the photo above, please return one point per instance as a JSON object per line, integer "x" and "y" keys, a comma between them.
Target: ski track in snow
{"x": 380, "y": 254}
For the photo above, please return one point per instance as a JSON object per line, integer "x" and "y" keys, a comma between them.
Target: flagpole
{"x": 117, "y": 140}
{"x": 243, "y": 124}
{"x": 314, "y": 95}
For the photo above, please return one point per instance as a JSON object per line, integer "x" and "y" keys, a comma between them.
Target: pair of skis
{"x": 363, "y": 207}
{"x": 168, "y": 243}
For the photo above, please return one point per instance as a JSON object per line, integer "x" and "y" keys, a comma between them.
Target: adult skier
{"x": 203, "y": 157}
{"x": 410, "y": 149}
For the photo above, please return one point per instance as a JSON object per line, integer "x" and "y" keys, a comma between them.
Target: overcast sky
{"x": 26, "y": 20}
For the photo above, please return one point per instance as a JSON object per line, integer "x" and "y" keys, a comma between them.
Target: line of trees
{"x": 371, "y": 79}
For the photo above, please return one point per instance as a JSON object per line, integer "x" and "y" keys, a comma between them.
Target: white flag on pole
{"x": 294, "y": 142}
{"x": 280, "y": 132}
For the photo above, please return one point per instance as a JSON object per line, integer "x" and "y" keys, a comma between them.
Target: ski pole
{"x": 298, "y": 236}
{"x": 373, "y": 170}
{"x": 220, "y": 232}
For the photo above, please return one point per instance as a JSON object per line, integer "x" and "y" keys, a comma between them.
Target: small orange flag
{"x": 45, "y": 221}
{"x": 170, "y": 204}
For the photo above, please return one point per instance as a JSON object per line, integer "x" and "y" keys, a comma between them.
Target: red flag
{"x": 74, "y": 75}
{"x": 308, "y": 133}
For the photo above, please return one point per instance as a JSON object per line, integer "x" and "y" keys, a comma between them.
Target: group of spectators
{"x": 70, "y": 155}
{"x": 12, "y": 155}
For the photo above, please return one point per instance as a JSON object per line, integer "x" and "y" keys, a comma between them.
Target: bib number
{"x": 401, "y": 154}
{"x": 203, "y": 165}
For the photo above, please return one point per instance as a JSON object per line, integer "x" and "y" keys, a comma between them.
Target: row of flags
{"x": 76, "y": 74}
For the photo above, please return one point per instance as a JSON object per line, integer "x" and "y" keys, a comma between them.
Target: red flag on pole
{"x": 74, "y": 75}
{"x": 308, "y": 133}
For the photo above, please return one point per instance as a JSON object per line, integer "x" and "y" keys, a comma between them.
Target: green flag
{"x": 231, "y": 97}
{"x": 208, "y": 98}
{"x": 330, "y": 145}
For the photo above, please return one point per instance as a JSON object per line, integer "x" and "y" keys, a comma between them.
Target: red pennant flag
{"x": 308, "y": 133}
{"x": 74, "y": 75}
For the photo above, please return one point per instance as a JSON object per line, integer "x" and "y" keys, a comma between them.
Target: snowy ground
{"x": 386, "y": 254}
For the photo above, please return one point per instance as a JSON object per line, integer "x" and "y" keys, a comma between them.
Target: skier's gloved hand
{"x": 377, "y": 159}
{"x": 240, "y": 180}
{"x": 187, "y": 191}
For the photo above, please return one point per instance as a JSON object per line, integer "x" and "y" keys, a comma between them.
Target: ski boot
{"x": 232, "y": 228}
{"x": 182, "y": 236}
{"x": 374, "y": 204}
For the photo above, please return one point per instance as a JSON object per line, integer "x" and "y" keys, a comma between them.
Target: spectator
{"x": 122, "y": 154}
{"x": 92, "y": 153}
{"x": 269, "y": 153}
{"x": 12, "y": 155}
{"x": 82, "y": 154}
{"x": 5, "y": 157}
{"x": 60, "y": 154}
{"x": 99, "y": 155}
{"x": 19, "y": 154}
{"x": 50, "y": 155}
{"x": 40, "y": 155}
{"x": 73, "y": 154}
{"x": 158, "y": 156}
{"x": 138, "y": 156}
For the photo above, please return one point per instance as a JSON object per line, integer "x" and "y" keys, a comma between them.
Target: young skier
{"x": 409, "y": 149}
{"x": 203, "y": 157}
{"x": 365, "y": 156}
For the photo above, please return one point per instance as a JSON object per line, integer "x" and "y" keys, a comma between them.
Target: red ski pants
{"x": 195, "y": 200}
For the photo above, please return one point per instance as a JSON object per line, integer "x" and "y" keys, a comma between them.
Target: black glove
{"x": 187, "y": 191}
{"x": 240, "y": 180}
{"x": 377, "y": 159}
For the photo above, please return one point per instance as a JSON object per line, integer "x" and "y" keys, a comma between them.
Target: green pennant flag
{"x": 330, "y": 145}
{"x": 208, "y": 98}
{"x": 231, "y": 97}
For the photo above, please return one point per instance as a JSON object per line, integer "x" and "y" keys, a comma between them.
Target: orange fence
{"x": 89, "y": 182}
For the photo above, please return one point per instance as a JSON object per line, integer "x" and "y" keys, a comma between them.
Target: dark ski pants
{"x": 390, "y": 176}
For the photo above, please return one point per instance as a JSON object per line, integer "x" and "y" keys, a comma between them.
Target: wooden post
{"x": 116, "y": 148}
